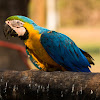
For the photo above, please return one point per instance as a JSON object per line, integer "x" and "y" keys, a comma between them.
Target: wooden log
{"x": 40, "y": 85}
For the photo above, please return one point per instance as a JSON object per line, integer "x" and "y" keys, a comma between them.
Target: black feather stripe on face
{"x": 25, "y": 36}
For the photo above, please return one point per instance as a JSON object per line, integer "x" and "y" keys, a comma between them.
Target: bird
{"x": 47, "y": 49}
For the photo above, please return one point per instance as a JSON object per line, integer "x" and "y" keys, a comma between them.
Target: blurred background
{"x": 80, "y": 20}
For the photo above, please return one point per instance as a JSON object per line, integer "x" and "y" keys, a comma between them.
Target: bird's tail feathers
{"x": 88, "y": 56}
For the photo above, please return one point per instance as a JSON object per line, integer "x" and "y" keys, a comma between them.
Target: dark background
{"x": 10, "y": 59}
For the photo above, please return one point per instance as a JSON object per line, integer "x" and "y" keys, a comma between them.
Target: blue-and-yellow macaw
{"x": 48, "y": 50}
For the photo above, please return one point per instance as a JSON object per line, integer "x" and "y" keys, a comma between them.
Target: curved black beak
{"x": 9, "y": 31}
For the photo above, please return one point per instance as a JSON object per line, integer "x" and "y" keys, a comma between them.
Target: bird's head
{"x": 17, "y": 26}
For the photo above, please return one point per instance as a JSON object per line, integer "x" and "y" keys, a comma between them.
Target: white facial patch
{"x": 17, "y": 26}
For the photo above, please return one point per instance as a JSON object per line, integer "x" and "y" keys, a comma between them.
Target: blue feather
{"x": 32, "y": 60}
{"x": 64, "y": 51}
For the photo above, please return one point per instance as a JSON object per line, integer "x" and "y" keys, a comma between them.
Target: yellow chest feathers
{"x": 33, "y": 43}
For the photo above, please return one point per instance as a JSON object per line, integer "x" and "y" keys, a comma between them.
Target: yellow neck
{"x": 34, "y": 36}
{"x": 30, "y": 28}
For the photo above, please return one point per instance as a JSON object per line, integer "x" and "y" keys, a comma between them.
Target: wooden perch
{"x": 40, "y": 85}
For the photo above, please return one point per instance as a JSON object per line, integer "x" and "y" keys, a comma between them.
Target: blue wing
{"x": 64, "y": 51}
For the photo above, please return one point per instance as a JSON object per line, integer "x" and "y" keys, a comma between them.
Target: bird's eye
{"x": 17, "y": 27}
{"x": 17, "y": 22}
{"x": 8, "y": 22}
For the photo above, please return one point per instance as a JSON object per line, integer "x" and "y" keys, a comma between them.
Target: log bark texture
{"x": 40, "y": 85}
